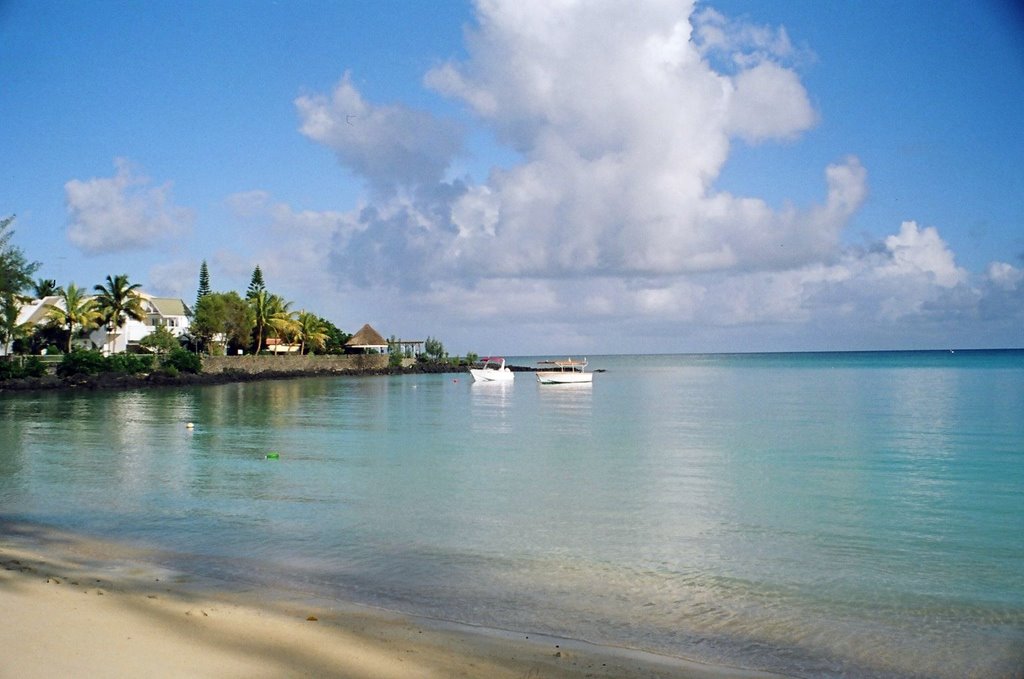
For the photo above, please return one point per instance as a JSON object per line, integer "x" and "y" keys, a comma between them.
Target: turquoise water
{"x": 855, "y": 515}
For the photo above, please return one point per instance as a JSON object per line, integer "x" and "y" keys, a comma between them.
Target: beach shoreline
{"x": 76, "y": 605}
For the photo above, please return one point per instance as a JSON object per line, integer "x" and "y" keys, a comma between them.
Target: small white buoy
{"x": 189, "y": 425}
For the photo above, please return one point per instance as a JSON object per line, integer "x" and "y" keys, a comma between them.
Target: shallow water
{"x": 816, "y": 514}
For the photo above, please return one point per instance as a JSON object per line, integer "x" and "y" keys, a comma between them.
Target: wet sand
{"x": 80, "y": 607}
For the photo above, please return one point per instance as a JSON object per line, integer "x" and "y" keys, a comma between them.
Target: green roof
{"x": 169, "y": 306}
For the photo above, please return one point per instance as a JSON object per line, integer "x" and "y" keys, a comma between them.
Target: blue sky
{"x": 537, "y": 177}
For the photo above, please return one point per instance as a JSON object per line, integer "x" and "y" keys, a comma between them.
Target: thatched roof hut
{"x": 367, "y": 340}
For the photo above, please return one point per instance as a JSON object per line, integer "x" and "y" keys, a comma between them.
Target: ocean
{"x": 814, "y": 514}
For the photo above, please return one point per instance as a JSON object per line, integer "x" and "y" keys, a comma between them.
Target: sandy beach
{"x": 79, "y": 607}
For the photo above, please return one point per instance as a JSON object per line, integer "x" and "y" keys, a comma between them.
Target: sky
{"x": 537, "y": 177}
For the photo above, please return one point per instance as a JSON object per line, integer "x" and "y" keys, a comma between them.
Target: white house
{"x": 168, "y": 312}
{"x": 35, "y": 313}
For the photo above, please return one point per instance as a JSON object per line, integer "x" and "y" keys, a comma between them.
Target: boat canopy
{"x": 567, "y": 363}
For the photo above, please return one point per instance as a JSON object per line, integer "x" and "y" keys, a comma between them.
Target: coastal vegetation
{"x": 75, "y": 311}
{"x": 220, "y": 323}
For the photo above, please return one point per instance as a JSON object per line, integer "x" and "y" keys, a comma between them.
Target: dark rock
{"x": 161, "y": 379}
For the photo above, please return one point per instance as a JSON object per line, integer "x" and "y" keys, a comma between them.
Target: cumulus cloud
{"x": 908, "y": 275}
{"x": 1002, "y": 298}
{"x": 768, "y": 102}
{"x": 291, "y": 246}
{"x": 122, "y": 212}
{"x": 1005, "y": 276}
{"x": 623, "y": 127}
{"x": 622, "y": 116}
{"x": 391, "y": 146}
{"x": 734, "y": 44}
{"x": 922, "y": 251}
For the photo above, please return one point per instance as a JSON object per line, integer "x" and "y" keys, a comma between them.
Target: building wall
{"x": 133, "y": 331}
{"x": 259, "y": 364}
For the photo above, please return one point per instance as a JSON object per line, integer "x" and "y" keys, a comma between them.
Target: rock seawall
{"x": 225, "y": 369}
{"x": 318, "y": 365}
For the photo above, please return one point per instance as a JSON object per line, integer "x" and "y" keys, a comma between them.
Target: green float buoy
{"x": 273, "y": 456}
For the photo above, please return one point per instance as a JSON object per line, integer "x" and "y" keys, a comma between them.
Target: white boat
{"x": 493, "y": 370}
{"x": 569, "y": 371}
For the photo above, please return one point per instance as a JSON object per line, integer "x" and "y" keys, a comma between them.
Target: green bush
{"x": 9, "y": 369}
{"x": 184, "y": 361}
{"x": 129, "y": 364}
{"x": 82, "y": 362}
{"x": 33, "y": 367}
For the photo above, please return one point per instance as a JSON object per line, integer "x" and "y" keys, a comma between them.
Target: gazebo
{"x": 413, "y": 347}
{"x": 367, "y": 340}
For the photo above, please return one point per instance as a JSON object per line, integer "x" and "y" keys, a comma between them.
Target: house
{"x": 33, "y": 313}
{"x": 279, "y": 346}
{"x": 37, "y": 311}
{"x": 367, "y": 341}
{"x": 168, "y": 312}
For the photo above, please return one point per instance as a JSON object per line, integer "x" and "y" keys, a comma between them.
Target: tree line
{"x": 220, "y": 323}
{"x": 225, "y": 322}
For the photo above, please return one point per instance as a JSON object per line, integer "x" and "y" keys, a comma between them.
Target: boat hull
{"x": 490, "y": 375}
{"x": 492, "y": 370}
{"x": 564, "y": 377}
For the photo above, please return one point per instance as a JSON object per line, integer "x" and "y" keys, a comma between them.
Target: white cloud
{"x": 740, "y": 44}
{"x": 906, "y": 280}
{"x": 768, "y": 102}
{"x": 391, "y": 146}
{"x": 912, "y": 274}
{"x": 122, "y": 212}
{"x": 922, "y": 251}
{"x": 1005, "y": 276}
{"x": 623, "y": 127}
{"x": 292, "y": 247}
{"x": 622, "y": 116}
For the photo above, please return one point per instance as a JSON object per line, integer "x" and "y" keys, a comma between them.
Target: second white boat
{"x": 569, "y": 371}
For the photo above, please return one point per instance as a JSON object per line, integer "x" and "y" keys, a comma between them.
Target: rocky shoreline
{"x": 160, "y": 379}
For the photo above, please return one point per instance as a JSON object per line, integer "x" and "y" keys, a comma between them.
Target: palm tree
{"x": 262, "y": 308}
{"x": 282, "y": 323}
{"x": 118, "y": 301}
{"x": 10, "y": 329}
{"x": 78, "y": 310}
{"x": 272, "y": 316}
{"x": 312, "y": 331}
{"x": 45, "y": 287}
